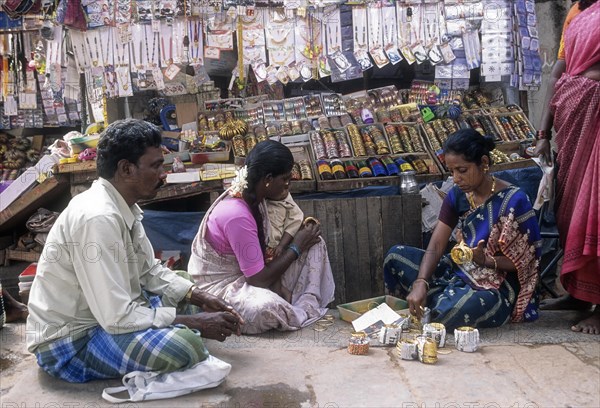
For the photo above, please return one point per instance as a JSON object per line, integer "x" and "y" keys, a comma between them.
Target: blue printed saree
{"x": 479, "y": 296}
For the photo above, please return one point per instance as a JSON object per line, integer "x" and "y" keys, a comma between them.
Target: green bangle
{"x": 294, "y": 248}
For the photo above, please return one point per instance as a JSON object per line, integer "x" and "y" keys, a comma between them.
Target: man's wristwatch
{"x": 188, "y": 295}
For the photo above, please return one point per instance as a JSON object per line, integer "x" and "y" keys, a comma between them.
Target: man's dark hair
{"x": 470, "y": 144}
{"x": 124, "y": 139}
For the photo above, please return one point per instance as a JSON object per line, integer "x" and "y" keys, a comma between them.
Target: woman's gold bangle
{"x": 422, "y": 280}
{"x": 308, "y": 220}
{"x": 495, "y": 264}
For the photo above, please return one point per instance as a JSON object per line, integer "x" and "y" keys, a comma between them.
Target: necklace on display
{"x": 279, "y": 56}
{"x": 121, "y": 56}
{"x": 107, "y": 55}
{"x": 279, "y": 35}
{"x": 374, "y": 26}
{"x": 364, "y": 36}
{"x": 150, "y": 62}
{"x": 332, "y": 45}
{"x": 124, "y": 79}
{"x": 163, "y": 50}
{"x": 87, "y": 40}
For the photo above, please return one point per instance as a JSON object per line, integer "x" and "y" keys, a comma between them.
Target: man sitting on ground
{"x": 95, "y": 310}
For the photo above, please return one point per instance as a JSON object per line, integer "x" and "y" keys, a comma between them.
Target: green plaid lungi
{"x": 96, "y": 354}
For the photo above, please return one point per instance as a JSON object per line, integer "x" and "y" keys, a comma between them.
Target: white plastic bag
{"x": 151, "y": 385}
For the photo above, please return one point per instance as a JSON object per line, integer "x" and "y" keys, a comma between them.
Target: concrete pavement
{"x": 539, "y": 364}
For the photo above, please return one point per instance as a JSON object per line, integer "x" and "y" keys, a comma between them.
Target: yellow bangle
{"x": 423, "y": 280}
{"x": 190, "y": 292}
{"x": 495, "y": 264}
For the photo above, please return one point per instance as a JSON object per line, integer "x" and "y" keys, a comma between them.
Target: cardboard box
{"x": 353, "y": 310}
{"x": 186, "y": 112}
{"x": 189, "y": 176}
{"x": 26, "y": 180}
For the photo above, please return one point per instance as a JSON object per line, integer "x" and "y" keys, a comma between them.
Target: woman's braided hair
{"x": 268, "y": 157}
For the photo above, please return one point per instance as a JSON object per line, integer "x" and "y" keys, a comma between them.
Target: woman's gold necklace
{"x": 471, "y": 198}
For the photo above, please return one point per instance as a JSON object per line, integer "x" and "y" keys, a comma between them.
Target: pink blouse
{"x": 231, "y": 229}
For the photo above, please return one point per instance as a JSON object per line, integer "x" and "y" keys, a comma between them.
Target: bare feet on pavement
{"x": 590, "y": 325}
{"x": 566, "y": 302}
{"x": 15, "y": 310}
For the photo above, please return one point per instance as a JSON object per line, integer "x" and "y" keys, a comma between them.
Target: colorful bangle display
{"x": 294, "y": 248}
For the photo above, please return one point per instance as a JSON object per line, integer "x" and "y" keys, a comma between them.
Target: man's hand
{"x": 212, "y": 304}
{"x": 217, "y": 326}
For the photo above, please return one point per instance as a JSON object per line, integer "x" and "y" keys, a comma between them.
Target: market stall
{"x": 364, "y": 94}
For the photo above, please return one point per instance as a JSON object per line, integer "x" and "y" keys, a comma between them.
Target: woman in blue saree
{"x": 496, "y": 221}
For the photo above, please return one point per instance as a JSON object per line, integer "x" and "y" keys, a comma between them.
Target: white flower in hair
{"x": 239, "y": 183}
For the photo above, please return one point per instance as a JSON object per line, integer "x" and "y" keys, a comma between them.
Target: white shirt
{"x": 96, "y": 260}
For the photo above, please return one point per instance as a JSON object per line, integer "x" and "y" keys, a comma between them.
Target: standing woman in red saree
{"x": 576, "y": 106}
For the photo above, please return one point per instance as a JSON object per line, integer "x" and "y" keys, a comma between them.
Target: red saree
{"x": 576, "y": 104}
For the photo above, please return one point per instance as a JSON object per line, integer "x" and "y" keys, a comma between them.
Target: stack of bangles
{"x": 542, "y": 134}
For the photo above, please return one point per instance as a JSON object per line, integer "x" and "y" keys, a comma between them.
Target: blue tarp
{"x": 172, "y": 231}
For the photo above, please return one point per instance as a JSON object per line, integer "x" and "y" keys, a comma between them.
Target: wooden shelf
{"x": 26, "y": 256}
{"x": 28, "y": 203}
{"x": 171, "y": 191}
{"x": 76, "y": 167}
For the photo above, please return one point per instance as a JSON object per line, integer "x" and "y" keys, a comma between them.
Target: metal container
{"x": 466, "y": 339}
{"x": 407, "y": 349}
{"x": 426, "y": 315}
{"x": 389, "y": 334}
{"x": 437, "y": 332}
{"x": 427, "y": 350}
{"x": 408, "y": 183}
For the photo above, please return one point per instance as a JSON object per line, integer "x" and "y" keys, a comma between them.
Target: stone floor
{"x": 541, "y": 364}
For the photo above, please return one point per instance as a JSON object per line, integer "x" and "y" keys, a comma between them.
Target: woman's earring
{"x": 267, "y": 185}
{"x": 486, "y": 169}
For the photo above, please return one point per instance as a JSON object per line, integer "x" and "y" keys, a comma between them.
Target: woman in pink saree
{"x": 576, "y": 106}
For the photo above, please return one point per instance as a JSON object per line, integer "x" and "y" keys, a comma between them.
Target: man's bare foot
{"x": 15, "y": 310}
{"x": 566, "y": 302}
{"x": 591, "y": 325}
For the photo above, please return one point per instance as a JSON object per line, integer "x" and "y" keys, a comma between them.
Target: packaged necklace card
{"x": 333, "y": 105}
{"x": 363, "y": 59}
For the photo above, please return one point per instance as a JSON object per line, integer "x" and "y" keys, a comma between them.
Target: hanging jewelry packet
{"x": 219, "y": 32}
{"x": 404, "y": 14}
{"x": 333, "y": 32}
{"x": 196, "y": 42}
{"x": 432, "y": 33}
{"x": 280, "y": 38}
{"x": 93, "y": 41}
{"x": 82, "y": 61}
{"x": 472, "y": 48}
{"x": 169, "y": 41}
{"x": 390, "y": 38}
{"x": 107, "y": 48}
{"x": 308, "y": 46}
{"x": 123, "y": 11}
{"x": 253, "y": 37}
{"x": 359, "y": 28}
{"x": 416, "y": 34}
{"x": 376, "y": 36}
{"x": 123, "y": 70}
